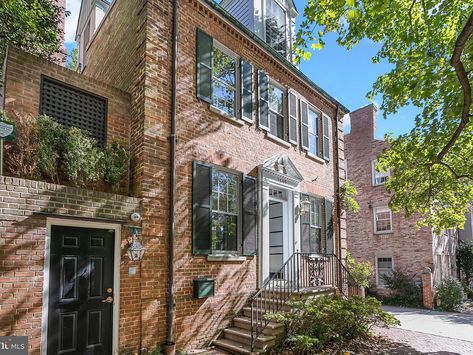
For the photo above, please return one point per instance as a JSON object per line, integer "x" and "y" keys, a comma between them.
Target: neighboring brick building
{"x": 376, "y": 235}
{"x": 259, "y": 159}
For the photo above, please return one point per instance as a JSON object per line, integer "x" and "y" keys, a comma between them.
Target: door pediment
{"x": 281, "y": 169}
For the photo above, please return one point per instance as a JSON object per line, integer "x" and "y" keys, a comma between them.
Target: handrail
{"x": 300, "y": 271}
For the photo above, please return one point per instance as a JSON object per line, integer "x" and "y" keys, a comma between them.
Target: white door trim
{"x": 116, "y": 276}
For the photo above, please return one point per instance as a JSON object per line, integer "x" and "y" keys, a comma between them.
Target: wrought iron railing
{"x": 300, "y": 272}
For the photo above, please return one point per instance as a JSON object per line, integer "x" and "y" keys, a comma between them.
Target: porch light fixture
{"x": 304, "y": 207}
{"x": 136, "y": 250}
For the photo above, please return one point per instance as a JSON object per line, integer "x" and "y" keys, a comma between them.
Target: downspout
{"x": 170, "y": 298}
{"x": 337, "y": 181}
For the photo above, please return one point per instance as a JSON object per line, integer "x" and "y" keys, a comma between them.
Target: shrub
{"x": 21, "y": 155}
{"x": 450, "y": 294}
{"x": 465, "y": 261}
{"x": 51, "y": 137}
{"x": 360, "y": 271}
{"x": 405, "y": 291}
{"x": 331, "y": 320}
{"x": 114, "y": 164}
{"x": 81, "y": 158}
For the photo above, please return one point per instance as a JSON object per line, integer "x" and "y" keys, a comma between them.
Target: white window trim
{"x": 378, "y": 285}
{"x": 230, "y": 53}
{"x": 382, "y": 209}
{"x": 373, "y": 173}
{"x": 318, "y": 135}
{"x": 219, "y": 253}
{"x": 284, "y": 109}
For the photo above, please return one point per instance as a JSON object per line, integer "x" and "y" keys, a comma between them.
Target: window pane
{"x": 276, "y": 99}
{"x": 224, "y": 232}
{"x": 315, "y": 238}
{"x": 312, "y": 144}
{"x": 224, "y": 81}
{"x": 276, "y": 27}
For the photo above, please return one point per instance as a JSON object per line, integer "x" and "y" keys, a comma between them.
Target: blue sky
{"x": 346, "y": 75}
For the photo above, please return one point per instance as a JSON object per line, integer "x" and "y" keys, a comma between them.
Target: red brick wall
{"x": 410, "y": 247}
{"x": 23, "y": 205}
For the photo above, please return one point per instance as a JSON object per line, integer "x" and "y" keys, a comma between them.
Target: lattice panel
{"x": 73, "y": 107}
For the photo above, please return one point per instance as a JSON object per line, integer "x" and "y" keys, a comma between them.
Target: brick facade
{"x": 411, "y": 248}
{"x": 25, "y": 207}
{"x": 131, "y": 51}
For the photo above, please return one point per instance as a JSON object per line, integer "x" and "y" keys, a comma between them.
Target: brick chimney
{"x": 363, "y": 121}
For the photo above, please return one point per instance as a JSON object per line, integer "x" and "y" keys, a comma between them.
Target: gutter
{"x": 337, "y": 181}
{"x": 170, "y": 343}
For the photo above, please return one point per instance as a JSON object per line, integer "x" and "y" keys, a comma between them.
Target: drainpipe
{"x": 337, "y": 190}
{"x": 170, "y": 346}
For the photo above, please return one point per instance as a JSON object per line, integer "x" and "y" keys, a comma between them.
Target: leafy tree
{"x": 73, "y": 63}
{"x": 348, "y": 192}
{"x": 32, "y": 25}
{"x": 465, "y": 261}
{"x": 429, "y": 44}
{"x": 360, "y": 271}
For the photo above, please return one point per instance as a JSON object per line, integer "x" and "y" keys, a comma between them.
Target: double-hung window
{"x": 384, "y": 267}
{"x": 276, "y": 110}
{"x": 276, "y": 29}
{"x": 314, "y": 132}
{"x": 313, "y": 224}
{"x": 383, "y": 220}
{"x": 378, "y": 177}
{"x": 225, "y": 211}
{"x": 224, "y": 79}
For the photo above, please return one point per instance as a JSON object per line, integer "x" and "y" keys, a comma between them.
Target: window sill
{"x": 315, "y": 158}
{"x": 382, "y": 184}
{"x": 226, "y": 257}
{"x": 225, "y": 115}
{"x": 277, "y": 140}
{"x": 384, "y": 232}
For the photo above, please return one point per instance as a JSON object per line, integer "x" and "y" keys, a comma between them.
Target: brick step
{"x": 244, "y": 336}
{"x": 272, "y": 328}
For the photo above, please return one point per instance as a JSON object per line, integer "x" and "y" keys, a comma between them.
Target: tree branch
{"x": 454, "y": 173}
{"x": 462, "y": 76}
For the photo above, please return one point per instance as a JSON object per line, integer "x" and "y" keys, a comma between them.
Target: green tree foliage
{"x": 465, "y": 261}
{"x": 50, "y": 137}
{"x": 114, "y": 164}
{"x": 331, "y": 320}
{"x": 31, "y": 25}
{"x": 73, "y": 62}
{"x": 360, "y": 271}
{"x": 404, "y": 290}
{"x": 348, "y": 194}
{"x": 450, "y": 294}
{"x": 429, "y": 44}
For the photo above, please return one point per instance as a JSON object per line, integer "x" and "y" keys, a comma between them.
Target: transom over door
{"x": 80, "y": 291}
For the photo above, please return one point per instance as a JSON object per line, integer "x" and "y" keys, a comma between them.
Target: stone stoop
{"x": 237, "y": 338}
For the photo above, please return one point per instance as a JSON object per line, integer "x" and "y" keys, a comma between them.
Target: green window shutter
{"x": 263, "y": 103}
{"x": 201, "y": 208}
{"x": 250, "y": 216}
{"x": 247, "y": 90}
{"x": 305, "y": 228}
{"x": 329, "y": 240}
{"x": 326, "y": 139}
{"x": 304, "y": 125}
{"x": 292, "y": 105}
{"x": 204, "y": 52}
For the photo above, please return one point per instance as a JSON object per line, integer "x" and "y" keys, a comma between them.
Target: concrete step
{"x": 272, "y": 328}
{"x": 233, "y": 347}
{"x": 244, "y": 336}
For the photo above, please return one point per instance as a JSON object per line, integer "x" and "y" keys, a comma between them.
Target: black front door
{"x": 80, "y": 291}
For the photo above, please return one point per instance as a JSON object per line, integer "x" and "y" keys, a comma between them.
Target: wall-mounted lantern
{"x": 136, "y": 250}
{"x": 304, "y": 207}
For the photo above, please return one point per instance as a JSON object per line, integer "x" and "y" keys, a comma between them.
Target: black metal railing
{"x": 301, "y": 271}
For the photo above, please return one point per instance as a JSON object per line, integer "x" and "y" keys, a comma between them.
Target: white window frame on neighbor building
{"x": 217, "y": 45}
{"x": 378, "y": 177}
{"x": 379, "y": 283}
{"x": 377, "y": 210}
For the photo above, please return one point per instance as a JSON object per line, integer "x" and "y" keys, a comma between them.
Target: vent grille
{"x": 72, "y": 107}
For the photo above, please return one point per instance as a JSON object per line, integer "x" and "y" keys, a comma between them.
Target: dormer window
{"x": 276, "y": 29}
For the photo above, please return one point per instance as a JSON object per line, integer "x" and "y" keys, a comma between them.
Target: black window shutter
{"x": 305, "y": 228}
{"x": 263, "y": 103}
{"x": 329, "y": 242}
{"x": 304, "y": 125}
{"x": 292, "y": 117}
{"x": 201, "y": 208}
{"x": 204, "y": 52}
{"x": 247, "y": 90}
{"x": 250, "y": 215}
{"x": 326, "y": 143}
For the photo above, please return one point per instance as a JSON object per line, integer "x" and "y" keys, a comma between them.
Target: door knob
{"x": 109, "y": 299}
